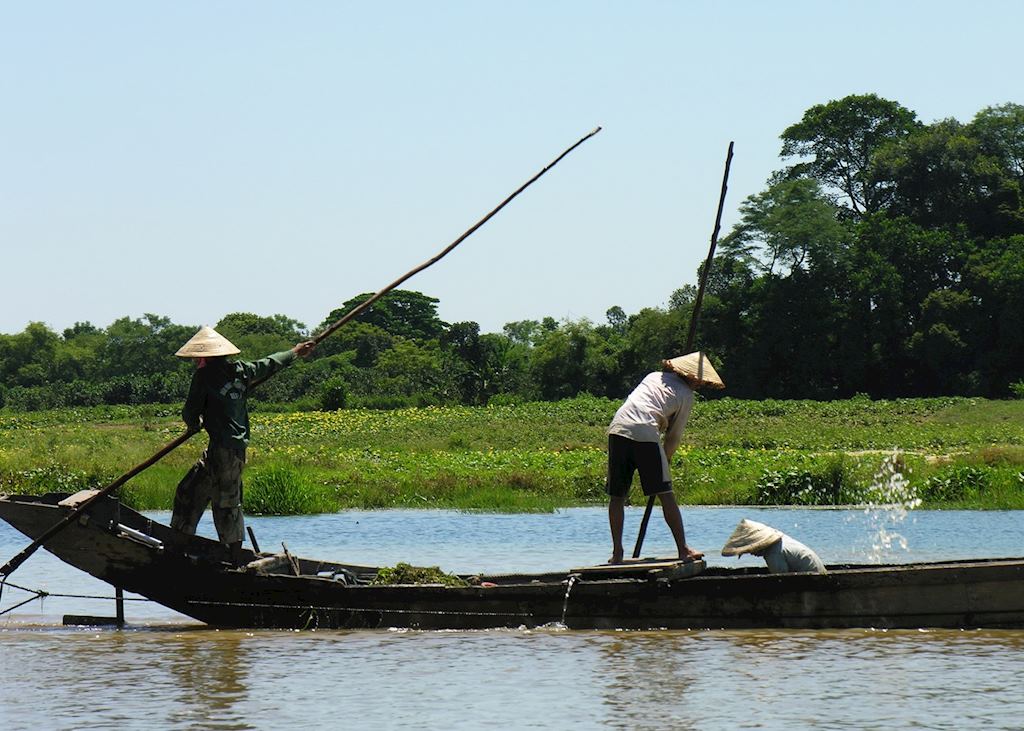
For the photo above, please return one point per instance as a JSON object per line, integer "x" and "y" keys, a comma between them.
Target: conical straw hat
{"x": 750, "y": 537}
{"x": 207, "y": 343}
{"x": 697, "y": 368}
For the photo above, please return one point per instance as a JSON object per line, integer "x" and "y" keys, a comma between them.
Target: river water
{"x": 165, "y": 671}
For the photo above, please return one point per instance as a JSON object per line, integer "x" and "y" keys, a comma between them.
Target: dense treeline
{"x": 398, "y": 353}
{"x": 886, "y": 258}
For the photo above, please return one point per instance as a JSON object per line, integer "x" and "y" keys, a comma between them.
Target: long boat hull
{"x": 191, "y": 574}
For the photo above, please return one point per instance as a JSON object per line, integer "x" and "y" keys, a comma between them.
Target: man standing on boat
{"x": 659, "y": 406}
{"x": 217, "y": 402}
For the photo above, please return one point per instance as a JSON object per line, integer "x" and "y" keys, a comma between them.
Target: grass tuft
{"x": 283, "y": 490}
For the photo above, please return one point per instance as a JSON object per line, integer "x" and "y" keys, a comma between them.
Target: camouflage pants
{"x": 216, "y": 478}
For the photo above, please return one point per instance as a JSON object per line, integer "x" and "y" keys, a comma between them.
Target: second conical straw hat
{"x": 207, "y": 343}
{"x": 697, "y": 368}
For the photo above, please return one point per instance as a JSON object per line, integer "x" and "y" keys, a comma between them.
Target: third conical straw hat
{"x": 697, "y": 368}
{"x": 207, "y": 343}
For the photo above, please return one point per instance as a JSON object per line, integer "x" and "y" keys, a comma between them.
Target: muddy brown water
{"x": 166, "y": 671}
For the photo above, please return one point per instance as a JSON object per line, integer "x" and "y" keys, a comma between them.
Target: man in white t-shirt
{"x": 643, "y": 436}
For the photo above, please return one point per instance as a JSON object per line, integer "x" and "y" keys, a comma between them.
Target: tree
{"x": 411, "y": 370}
{"x": 79, "y": 329}
{"x": 237, "y": 325}
{"x": 366, "y": 341}
{"x": 684, "y": 297}
{"x": 26, "y": 358}
{"x": 616, "y": 317}
{"x": 995, "y": 276}
{"x": 1000, "y": 132}
{"x": 940, "y": 177}
{"x": 890, "y": 269}
{"x": 790, "y": 353}
{"x": 505, "y": 364}
{"x": 256, "y": 336}
{"x": 728, "y": 321}
{"x": 939, "y": 344}
{"x": 653, "y": 335}
{"x": 144, "y": 346}
{"x": 466, "y": 364}
{"x": 522, "y": 331}
{"x": 841, "y": 138}
{"x": 787, "y": 227}
{"x": 400, "y": 312}
{"x": 556, "y": 366}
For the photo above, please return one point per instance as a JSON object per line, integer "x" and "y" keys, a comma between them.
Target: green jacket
{"x": 218, "y": 394}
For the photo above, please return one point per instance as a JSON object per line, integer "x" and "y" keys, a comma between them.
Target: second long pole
{"x": 692, "y": 332}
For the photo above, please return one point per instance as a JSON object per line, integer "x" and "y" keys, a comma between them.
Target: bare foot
{"x": 616, "y": 558}
{"x": 691, "y": 555}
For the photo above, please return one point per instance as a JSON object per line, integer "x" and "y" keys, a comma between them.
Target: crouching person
{"x": 217, "y": 402}
{"x": 782, "y": 553}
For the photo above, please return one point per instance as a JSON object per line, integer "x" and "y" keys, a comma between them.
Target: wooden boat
{"x": 192, "y": 575}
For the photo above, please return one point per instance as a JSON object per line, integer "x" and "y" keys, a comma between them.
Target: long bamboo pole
{"x": 444, "y": 252}
{"x": 9, "y": 567}
{"x": 691, "y": 335}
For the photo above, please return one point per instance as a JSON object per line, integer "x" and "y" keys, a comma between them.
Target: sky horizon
{"x": 196, "y": 159}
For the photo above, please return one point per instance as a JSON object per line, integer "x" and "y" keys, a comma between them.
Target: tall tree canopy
{"x": 840, "y": 138}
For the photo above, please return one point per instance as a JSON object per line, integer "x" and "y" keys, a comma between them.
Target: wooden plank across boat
{"x": 643, "y": 568}
{"x": 192, "y": 575}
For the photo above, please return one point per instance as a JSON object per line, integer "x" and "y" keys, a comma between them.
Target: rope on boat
{"x": 39, "y": 594}
{"x": 42, "y": 594}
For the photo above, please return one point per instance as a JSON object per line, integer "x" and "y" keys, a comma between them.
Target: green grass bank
{"x": 948, "y": 453}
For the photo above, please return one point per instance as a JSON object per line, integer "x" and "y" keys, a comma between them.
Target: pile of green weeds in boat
{"x": 403, "y": 573}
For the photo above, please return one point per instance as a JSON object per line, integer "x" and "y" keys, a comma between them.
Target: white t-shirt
{"x": 661, "y": 404}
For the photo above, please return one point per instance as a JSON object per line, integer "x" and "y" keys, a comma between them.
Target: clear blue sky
{"x": 192, "y": 158}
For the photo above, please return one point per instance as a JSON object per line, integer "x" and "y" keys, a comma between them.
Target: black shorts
{"x": 626, "y": 457}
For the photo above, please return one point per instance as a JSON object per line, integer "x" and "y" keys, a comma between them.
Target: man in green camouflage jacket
{"x": 217, "y": 402}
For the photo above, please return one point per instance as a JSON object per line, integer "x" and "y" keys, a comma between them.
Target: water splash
{"x": 887, "y": 503}
{"x": 573, "y": 578}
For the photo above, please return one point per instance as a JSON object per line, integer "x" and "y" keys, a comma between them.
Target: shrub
{"x": 333, "y": 394}
{"x": 957, "y": 483}
{"x": 823, "y": 484}
{"x": 505, "y": 399}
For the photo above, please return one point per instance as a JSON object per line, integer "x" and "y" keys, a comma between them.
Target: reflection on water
{"x": 828, "y": 680}
{"x": 166, "y": 671}
{"x": 210, "y": 680}
{"x": 122, "y": 677}
{"x": 206, "y": 679}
